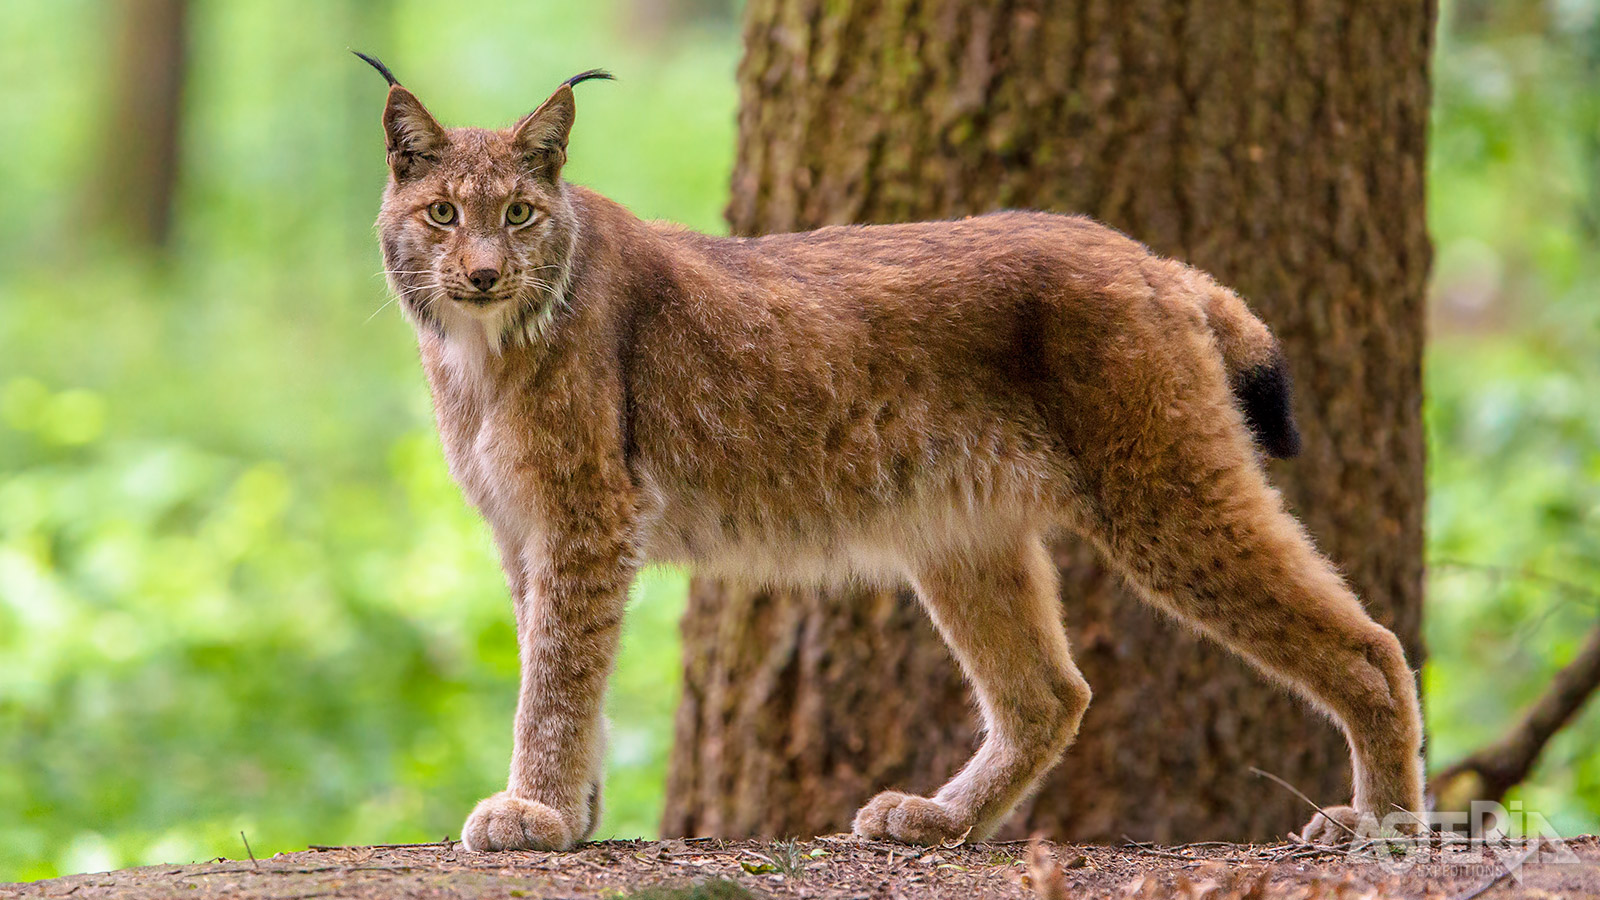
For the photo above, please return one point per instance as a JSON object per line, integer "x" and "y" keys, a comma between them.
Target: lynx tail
{"x": 1257, "y": 371}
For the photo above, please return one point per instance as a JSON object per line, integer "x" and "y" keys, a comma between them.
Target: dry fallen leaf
{"x": 1044, "y": 875}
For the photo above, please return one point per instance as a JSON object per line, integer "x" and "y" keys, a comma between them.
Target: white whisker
{"x": 380, "y": 309}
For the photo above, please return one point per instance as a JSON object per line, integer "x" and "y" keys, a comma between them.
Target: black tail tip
{"x": 1265, "y": 392}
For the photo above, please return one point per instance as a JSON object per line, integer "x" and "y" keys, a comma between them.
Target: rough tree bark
{"x": 139, "y": 169}
{"x": 1277, "y": 145}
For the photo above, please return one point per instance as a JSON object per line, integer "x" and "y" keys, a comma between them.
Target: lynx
{"x": 917, "y": 404}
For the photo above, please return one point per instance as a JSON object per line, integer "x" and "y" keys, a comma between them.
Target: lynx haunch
{"x": 918, "y": 404}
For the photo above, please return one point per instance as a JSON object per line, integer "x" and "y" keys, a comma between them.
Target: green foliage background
{"x": 237, "y": 588}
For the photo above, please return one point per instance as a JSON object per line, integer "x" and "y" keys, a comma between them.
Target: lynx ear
{"x": 413, "y": 136}
{"x": 542, "y": 134}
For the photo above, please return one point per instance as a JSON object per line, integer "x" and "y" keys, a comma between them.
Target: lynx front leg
{"x": 569, "y": 596}
{"x": 1000, "y": 614}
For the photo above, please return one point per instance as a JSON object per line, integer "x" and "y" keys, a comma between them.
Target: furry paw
{"x": 504, "y": 822}
{"x": 894, "y": 816}
{"x": 1335, "y": 826}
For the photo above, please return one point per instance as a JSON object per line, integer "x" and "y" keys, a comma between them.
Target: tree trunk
{"x": 1276, "y": 145}
{"x": 139, "y": 171}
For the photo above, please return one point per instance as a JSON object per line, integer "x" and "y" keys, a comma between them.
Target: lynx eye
{"x": 518, "y": 213}
{"x": 442, "y": 213}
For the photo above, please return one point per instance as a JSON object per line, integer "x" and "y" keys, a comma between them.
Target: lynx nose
{"x": 483, "y": 279}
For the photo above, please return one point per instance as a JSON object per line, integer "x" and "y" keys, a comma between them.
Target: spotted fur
{"x": 921, "y": 403}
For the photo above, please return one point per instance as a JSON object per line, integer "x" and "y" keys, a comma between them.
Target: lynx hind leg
{"x": 1207, "y": 539}
{"x": 1000, "y": 614}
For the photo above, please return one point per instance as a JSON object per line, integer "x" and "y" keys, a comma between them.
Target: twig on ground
{"x": 1313, "y": 804}
{"x": 1507, "y": 872}
{"x": 1148, "y": 848}
{"x": 420, "y": 867}
{"x": 446, "y": 843}
{"x": 247, "y": 849}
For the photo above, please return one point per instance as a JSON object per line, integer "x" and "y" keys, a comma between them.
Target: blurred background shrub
{"x": 238, "y": 590}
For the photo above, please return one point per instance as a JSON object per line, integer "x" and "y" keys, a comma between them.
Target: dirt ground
{"x": 844, "y": 867}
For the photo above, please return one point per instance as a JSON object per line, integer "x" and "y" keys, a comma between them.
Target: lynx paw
{"x": 1333, "y": 827}
{"x": 894, "y": 816}
{"x": 504, "y": 822}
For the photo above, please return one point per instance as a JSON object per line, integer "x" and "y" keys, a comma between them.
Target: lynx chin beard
{"x": 497, "y": 324}
{"x": 920, "y": 404}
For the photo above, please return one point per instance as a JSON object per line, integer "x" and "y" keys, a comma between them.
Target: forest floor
{"x": 844, "y": 867}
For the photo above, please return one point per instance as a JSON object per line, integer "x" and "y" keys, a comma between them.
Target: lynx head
{"x": 477, "y": 227}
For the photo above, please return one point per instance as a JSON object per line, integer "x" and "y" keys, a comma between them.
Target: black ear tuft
{"x": 590, "y": 75}
{"x": 383, "y": 70}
